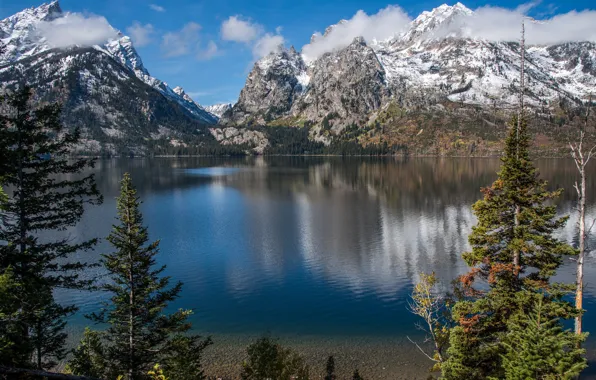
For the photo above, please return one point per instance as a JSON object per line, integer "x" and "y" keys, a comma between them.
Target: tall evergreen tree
{"x": 515, "y": 253}
{"x": 48, "y": 193}
{"x": 537, "y": 347}
{"x": 140, "y": 330}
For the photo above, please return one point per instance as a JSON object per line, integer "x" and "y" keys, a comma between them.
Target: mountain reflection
{"x": 364, "y": 224}
{"x": 261, "y": 242}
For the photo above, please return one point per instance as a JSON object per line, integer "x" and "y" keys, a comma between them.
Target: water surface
{"x": 310, "y": 246}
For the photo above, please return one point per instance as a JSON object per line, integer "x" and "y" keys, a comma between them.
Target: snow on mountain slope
{"x": 436, "y": 57}
{"x": 218, "y": 109}
{"x": 23, "y": 37}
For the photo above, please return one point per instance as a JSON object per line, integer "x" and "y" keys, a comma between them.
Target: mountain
{"x": 433, "y": 65}
{"x": 106, "y": 90}
{"x": 218, "y": 109}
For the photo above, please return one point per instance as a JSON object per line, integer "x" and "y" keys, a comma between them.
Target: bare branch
{"x": 421, "y": 350}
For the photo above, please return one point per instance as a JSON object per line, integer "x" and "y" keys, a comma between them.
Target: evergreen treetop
{"x": 140, "y": 329}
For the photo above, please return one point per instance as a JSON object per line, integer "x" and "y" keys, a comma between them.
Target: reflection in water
{"x": 310, "y": 244}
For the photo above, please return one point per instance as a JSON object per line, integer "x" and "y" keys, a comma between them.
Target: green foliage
{"x": 537, "y": 347}
{"x": 515, "y": 252}
{"x": 11, "y": 349}
{"x": 88, "y": 358}
{"x": 267, "y": 359}
{"x": 291, "y": 140}
{"x": 330, "y": 369}
{"x": 182, "y": 357}
{"x": 48, "y": 193}
{"x": 47, "y": 325}
{"x": 140, "y": 331}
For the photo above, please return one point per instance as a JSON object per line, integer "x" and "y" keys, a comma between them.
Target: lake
{"x": 319, "y": 251}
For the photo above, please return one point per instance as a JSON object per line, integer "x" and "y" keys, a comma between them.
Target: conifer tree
{"x": 267, "y": 359}
{"x": 537, "y": 347}
{"x": 182, "y": 359}
{"x": 330, "y": 369}
{"x": 88, "y": 359}
{"x": 48, "y": 192}
{"x": 140, "y": 330}
{"x": 515, "y": 253}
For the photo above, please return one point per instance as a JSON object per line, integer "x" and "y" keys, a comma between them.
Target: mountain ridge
{"x": 432, "y": 61}
{"x": 95, "y": 78}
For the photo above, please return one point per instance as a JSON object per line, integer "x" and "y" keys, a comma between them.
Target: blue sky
{"x": 214, "y": 68}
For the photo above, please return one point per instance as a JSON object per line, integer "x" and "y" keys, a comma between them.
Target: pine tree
{"x": 48, "y": 194}
{"x": 88, "y": 359}
{"x": 537, "y": 347}
{"x": 139, "y": 329}
{"x": 515, "y": 253}
{"x": 183, "y": 357}
{"x": 267, "y": 359}
{"x": 330, "y": 369}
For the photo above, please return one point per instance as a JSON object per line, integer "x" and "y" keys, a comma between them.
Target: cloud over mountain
{"x": 76, "y": 29}
{"x": 382, "y": 25}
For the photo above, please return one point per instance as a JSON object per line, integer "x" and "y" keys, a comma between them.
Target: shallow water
{"x": 309, "y": 246}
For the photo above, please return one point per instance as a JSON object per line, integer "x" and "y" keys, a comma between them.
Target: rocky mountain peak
{"x": 44, "y": 12}
{"x": 179, "y": 90}
{"x": 430, "y": 23}
{"x": 218, "y": 109}
{"x": 332, "y": 27}
{"x": 18, "y": 32}
{"x": 358, "y": 41}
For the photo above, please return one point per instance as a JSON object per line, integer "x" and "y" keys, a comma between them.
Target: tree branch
{"x": 421, "y": 350}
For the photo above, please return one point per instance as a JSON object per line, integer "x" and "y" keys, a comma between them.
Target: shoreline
{"x": 385, "y": 358}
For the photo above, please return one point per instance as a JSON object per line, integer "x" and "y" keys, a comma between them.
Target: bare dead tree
{"x": 581, "y": 156}
{"x": 520, "y": 116}
{"x": 429, "y": 305}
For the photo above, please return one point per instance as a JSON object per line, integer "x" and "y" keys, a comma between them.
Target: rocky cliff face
{"x": 271, "y": 89}
{"x": 344, "y": 86}
{"x": 432, "y": 62}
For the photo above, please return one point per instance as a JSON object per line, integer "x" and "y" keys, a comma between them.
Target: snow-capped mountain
{"x": 100, "y": 79}
{"x": 218, "y": 109}
{"x": 434, "y": 60}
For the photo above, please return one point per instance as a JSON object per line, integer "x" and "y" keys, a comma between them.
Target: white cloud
{"x": 266, "y": 44}
{"x": 253, "y": 34}
{"x": 209, "y": 52}
{"x": 500, "y": 24}
{"x": 157, "y": 8}
{"x": 380, "y": 26}
{"x": 238, "y": 30}
{"x": 141, "y": 35}
{"x": 182, "y": 42}
{"x": 76, "y": 29}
